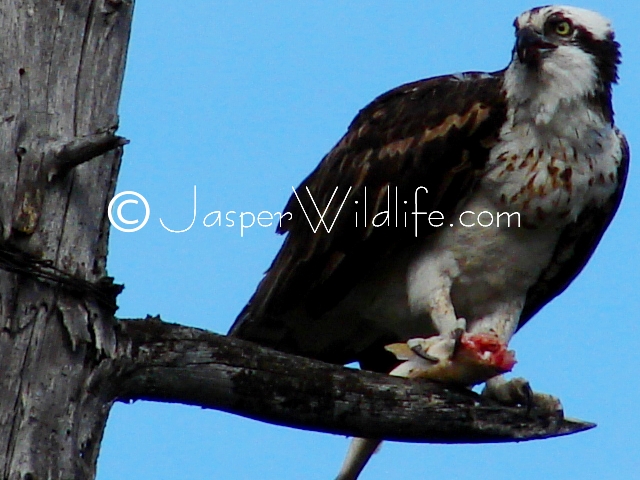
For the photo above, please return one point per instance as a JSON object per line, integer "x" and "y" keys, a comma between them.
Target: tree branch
{"x": 172, "y": 363}
{"x": 82, "y": 149}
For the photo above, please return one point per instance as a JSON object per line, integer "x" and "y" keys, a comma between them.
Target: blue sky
{"x": 243, "y": 99}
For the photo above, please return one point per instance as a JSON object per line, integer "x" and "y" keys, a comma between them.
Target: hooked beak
{"x": 529, "y": 44}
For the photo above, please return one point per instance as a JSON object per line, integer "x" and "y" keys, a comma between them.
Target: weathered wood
{"x": 172, "y": 363}
{"x": 70, "y": 154}
{"x": 62, "y": 64}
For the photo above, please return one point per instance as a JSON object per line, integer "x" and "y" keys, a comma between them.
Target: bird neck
{"x": 553, "y": 91}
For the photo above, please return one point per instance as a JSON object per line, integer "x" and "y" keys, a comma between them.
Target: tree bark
{"x": 65, "y": 358}
{"x": 62, "y": 64}
{"x": 171, "y": 363}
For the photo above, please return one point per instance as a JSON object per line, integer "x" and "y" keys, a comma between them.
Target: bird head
{"x": 568, "y": 51}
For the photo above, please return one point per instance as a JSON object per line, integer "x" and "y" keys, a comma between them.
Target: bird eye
{"x": 563, "y": 28}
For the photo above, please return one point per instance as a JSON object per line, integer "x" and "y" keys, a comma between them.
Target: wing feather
{"x": 434, "y": 133}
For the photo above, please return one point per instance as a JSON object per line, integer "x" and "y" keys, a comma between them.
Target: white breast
{"x": 496, "y": 264}
{"x": 550, "y": 172}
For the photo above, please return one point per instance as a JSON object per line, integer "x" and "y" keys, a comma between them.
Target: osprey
{"x": 412, "y": 196}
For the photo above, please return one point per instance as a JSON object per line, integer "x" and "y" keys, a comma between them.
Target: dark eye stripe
{"x": 605, "y": 52}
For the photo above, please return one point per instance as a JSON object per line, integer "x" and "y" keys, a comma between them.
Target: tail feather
{"x": 359, "y": 453}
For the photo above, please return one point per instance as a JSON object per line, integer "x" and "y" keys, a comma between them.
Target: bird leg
{"x": 516, "y": 391}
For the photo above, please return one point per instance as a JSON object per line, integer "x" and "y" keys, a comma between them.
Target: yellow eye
{"x": 563, "y": 28}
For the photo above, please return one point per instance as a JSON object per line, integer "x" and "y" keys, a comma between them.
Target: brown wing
{"x": 434, "y": 133}
{"x": 576, "y": 245}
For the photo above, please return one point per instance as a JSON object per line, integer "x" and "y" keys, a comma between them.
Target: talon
{"x": 461, "y": 324}
{"x": 528, "y": 397}
{"x": 417, "y": 349}
{"x": 457, "y": 337}
{"x": 521, "y": 392}
{"x": 547, "y": 404}
{"x": 518, "y": 391}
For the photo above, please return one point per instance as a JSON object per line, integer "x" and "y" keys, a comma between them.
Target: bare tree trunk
{"x": 65, "y": 359}
{"x": 62, "y": 64}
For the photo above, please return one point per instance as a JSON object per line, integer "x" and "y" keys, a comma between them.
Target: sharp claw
{"x": 548, "y": 404}
{"x": 521, "y": 393}
{"x": 457, "y": 336}
{"x": 527, "y": 395}
{"x": 518, "y": 391}
{"x": 421, "y": 353}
